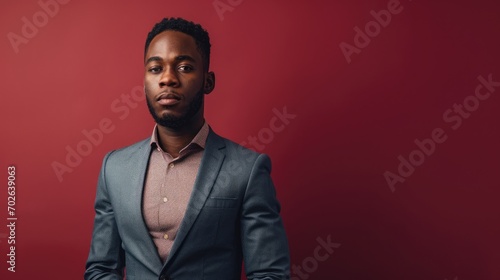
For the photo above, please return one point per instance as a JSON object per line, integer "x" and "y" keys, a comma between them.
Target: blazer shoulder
{"x": 128, "y": 152}
{"x": 235, "y": 151}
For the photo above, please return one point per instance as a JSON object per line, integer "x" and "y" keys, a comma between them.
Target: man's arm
{"x": 263, "y": 238}
{"x": 106, "y": 256}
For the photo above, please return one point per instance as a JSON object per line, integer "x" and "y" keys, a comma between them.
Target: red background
{"x": 352, "y": 122}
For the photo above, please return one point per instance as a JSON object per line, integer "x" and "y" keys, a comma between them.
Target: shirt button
{"x": 171, "y": 165}
{"x": 165, "y": 199}
{"x": 165, "y": 236}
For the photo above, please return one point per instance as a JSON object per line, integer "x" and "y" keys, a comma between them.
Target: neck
{"x": 173, "y": 140}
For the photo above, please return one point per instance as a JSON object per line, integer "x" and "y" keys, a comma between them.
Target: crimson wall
{"x": 380, "y": 117}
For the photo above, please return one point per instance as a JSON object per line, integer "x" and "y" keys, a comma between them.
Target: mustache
{"x": 169, "y": 94}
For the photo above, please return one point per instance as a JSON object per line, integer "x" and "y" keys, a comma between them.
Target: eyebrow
{"x": 177, "y": 58}
{"x": 153, "y": 58}
{"x": 184, "y": 57}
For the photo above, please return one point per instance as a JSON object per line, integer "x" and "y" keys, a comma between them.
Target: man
{"x": 185, "y": 203}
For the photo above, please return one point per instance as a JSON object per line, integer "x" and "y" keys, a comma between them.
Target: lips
{"x": 168, "y": 98}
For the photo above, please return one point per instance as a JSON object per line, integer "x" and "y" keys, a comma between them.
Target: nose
{"x": 169, "y": 78}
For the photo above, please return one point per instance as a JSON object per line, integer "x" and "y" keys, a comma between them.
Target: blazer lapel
{"x": 144, "y": 247}
{"x": 209, "y": 169}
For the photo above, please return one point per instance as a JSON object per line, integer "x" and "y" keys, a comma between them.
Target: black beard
{"x": 178, "y": 122}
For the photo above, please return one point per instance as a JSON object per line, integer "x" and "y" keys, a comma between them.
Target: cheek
{"x": 151, "y": 79}
{"x": 149, "y": 87}
{"x": 194, "y": 83}
{"x": 149, "y": 92}
{"x": 149, "y": 82}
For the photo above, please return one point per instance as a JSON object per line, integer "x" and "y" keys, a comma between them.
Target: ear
{"x": 209, "y": 83}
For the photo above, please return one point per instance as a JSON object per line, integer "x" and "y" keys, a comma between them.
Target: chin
{"x": 169, "y": 116}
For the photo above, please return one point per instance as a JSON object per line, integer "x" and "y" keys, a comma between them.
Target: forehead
{"x": 169, "y": 44}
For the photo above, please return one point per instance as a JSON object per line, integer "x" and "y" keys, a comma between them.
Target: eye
{"x": 185, "y": 68}
{"x": 155, "y": 69}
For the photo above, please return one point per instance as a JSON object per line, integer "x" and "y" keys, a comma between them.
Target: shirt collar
{"x": 199, "y": 139}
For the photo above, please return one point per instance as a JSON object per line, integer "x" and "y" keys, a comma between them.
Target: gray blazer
{"x": 232, "y": 215}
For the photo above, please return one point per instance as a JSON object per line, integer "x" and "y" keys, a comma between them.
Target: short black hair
{"x": 195, "y": 30}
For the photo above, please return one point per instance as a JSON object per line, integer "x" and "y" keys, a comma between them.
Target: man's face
{"x": 174, "y": 79}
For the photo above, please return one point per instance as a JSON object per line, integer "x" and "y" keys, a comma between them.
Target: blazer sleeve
{"x": 106, "y": 257}
{"x": 263, "y": 238}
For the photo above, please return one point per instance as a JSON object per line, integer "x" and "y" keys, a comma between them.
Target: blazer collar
{"x": 145, "y": 249}
{"x": 211, "y": 163}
